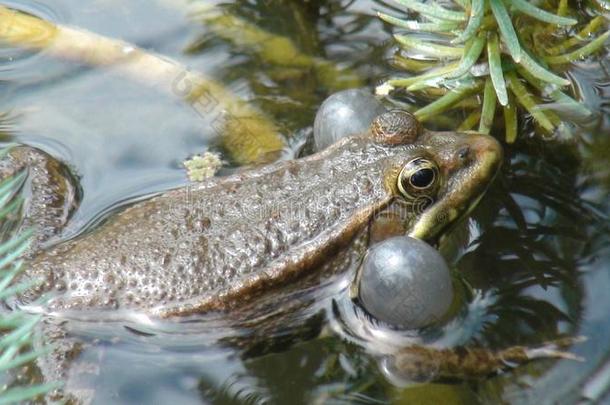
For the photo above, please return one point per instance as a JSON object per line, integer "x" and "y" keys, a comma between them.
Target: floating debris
{"x": 201, "y": 167}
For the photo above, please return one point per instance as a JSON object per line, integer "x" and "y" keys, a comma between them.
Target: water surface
{"x": 538, "y": 241}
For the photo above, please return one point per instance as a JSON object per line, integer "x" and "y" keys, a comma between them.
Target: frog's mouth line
{"x": 441, "y": 217}
{"x": 466, "y": 189}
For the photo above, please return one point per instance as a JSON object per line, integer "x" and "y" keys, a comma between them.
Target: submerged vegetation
{"x": 506, "y": 52}
{"x": 244, "y": 131}
{"x": 16, "y": 328}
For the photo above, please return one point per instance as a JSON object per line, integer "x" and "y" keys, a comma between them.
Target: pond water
{"x": 536, "y": 247}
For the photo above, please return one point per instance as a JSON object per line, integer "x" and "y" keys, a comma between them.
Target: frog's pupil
{"x": 422, "y": 178}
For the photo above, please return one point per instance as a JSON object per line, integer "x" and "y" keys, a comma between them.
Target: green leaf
{"x": 12, "y": 320}
{"x": 17, "y": 334}
{"x": 9, "y": 353}
{"x": 506, "y": 29}
{"x": 568, "y": 106}
{"x": 9, "y": 185}
{"x": 605, "y": 4}
{"x": 441, "y": 81}
{"x": 470, "y": 57}
{"x": 465, "y": 4}
{"x": 433, "y": 10}
{"x": 447, "y": 101}
{"x": 18, "y": 394}
{"x": 489, "y": 107}
{"x": 11, "y": 207}
{"x": 428, "y": 48}
{"x": 7, "y": 277}
{"x": 22, "y": 359}
{"x": 541, "y": 73}
{"x": 575, "y": 109}
{"x": 443, "y": 26}
{"x": 510, "y": 122}
{"x": 580, "y": 53}
{"x": 474, "y": 22}
{"x": 527, "y": 100}
{"x": 592, "y": 27}
{"x": 540, "y": 14}
{"x": 562, "y": 8}
{"x": 17, "y": 326}
{"x": 6, "y": 149}
{"x": 470, "y": 121}
{"x": 16, "y": 242}
{"x": 436, "y": 73}
{"x": 495, "y": 68}
{"x": 18, "y": 289}
{"x": 14, "y": 254}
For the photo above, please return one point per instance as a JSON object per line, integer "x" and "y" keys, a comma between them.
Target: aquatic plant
{"x": 272, "y": 49}
{"x": 16, "y": 328}
{"x": 508, "y": 52}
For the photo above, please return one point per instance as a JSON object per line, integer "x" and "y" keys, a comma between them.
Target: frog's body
{"x": 212, "y": 245}
{"x": 220, "y": 244}
{"x": 209, "y": 245}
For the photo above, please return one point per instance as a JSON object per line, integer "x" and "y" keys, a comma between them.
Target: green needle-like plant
{"x": 507, "y": 52}
{"x": 16, "y": 327}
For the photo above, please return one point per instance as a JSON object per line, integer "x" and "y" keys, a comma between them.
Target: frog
{"x": 213, "y": 245}
{"x": 220, "y": 244}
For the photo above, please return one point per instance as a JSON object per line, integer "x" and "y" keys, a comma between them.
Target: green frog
{"x": 220, "y": 244}
{"x": 217, "y": 244}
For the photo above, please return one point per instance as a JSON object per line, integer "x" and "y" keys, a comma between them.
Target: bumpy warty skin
{"x": 51, "y": 192}
{"x": 211, "y": 245}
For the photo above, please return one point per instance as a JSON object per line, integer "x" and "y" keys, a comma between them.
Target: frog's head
{"x": 442, "y": 176}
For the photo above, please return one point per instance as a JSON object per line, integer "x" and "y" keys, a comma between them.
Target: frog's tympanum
{"x": 217, "y": 244}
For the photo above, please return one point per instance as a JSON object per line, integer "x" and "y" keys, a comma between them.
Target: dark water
{"x": 537, "y": 247}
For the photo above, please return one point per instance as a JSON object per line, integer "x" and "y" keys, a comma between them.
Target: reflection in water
{"x": 15, "y": 63}
{"x": 541, "y": 249}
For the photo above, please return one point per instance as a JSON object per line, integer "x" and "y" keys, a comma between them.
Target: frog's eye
{"x": 418, "y": 177}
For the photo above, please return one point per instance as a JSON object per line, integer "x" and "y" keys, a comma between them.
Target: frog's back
{"x": 205, "y": 246}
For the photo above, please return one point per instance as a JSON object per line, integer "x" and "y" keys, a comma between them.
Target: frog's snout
{"x": 488, "y": 151}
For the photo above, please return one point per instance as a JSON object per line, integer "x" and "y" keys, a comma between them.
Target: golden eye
{"x": 423, "y": 178}
{"x": 418, "y": 177}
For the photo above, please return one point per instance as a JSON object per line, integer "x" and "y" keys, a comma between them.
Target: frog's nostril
{"x": 464, "y": 152}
